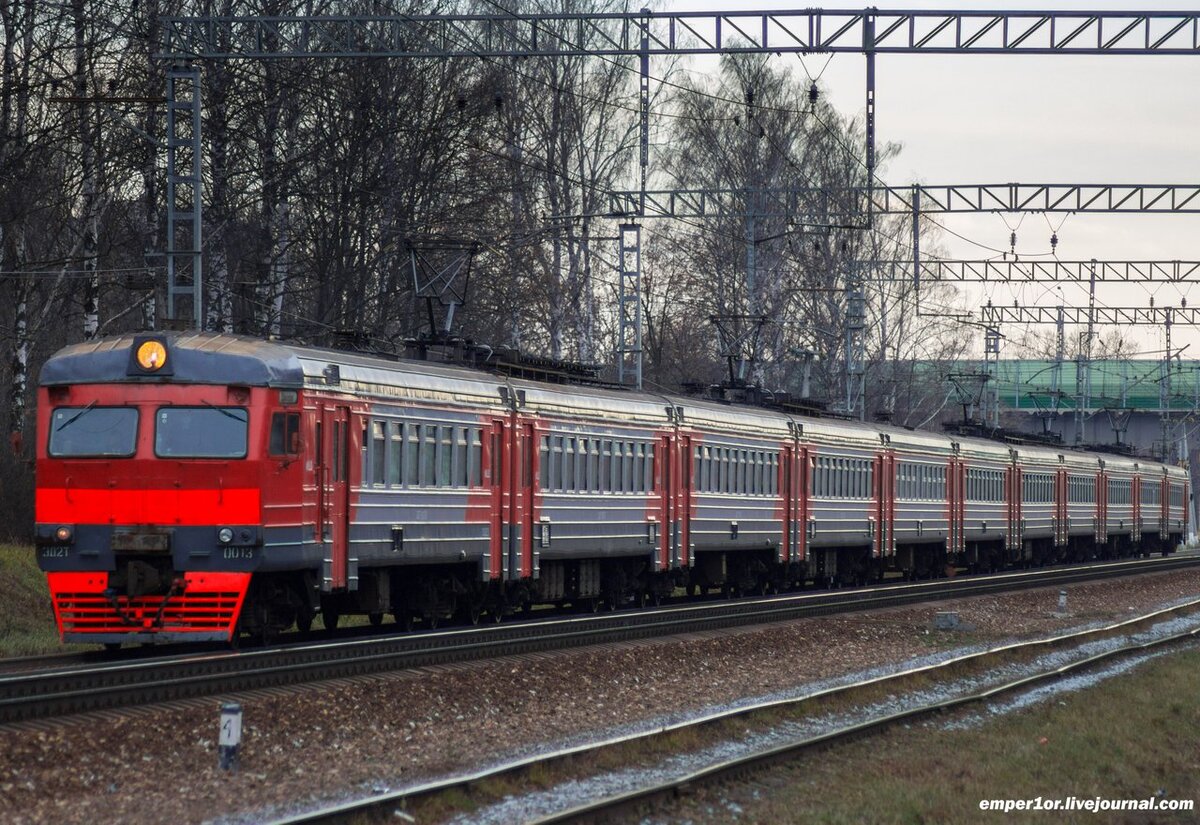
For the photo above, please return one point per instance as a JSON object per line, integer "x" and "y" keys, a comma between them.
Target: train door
{"x": 1101, "y": 507}
{"x": 529, "y": 545}
{"x": 885, "y": 506}
{"x": 1164, "y": 512}
{"x": 334, "y": 494}
{"x": 683, "y": 513}
{"x": 1061, "y": 528}
{"x": 787, "y": 490}
{"x": 497, "y": 566}
{"x": 666, "y": 542}
{"x": 1013, "y": 494}
{"x": 801, "y": 487}
{"x": 1136, "y": 487}
{"x": 954, "y": 495}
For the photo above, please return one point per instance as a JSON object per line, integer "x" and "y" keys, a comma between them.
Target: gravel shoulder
{"x": 345, "y": 738}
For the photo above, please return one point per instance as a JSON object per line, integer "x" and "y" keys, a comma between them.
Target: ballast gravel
{"x": 344, "y": 739}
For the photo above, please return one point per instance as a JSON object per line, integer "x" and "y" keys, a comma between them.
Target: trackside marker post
{"x": 230, "y": 738}
{"x": 1062, "y": 601}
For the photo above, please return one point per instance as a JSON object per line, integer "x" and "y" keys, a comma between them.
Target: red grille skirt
{"x": 207, "y": 610}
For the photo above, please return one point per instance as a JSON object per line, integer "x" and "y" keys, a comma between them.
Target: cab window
{"x": 201, "y": 432}
{"x": 93, "y": 432}
{"x": 285, "y": 434}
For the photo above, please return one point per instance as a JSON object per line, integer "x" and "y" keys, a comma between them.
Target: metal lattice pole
{"x": 184, "y": 185}
{"x": 629, "y": 332}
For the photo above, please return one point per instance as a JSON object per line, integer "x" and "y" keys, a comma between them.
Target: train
{"x": 195, "y": 486}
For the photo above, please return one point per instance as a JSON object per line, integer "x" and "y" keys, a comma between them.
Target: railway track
{"x": 66, "y": 690}
{"x": 631, "y": 805}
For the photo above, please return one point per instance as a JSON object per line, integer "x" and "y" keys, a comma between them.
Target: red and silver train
{"x": 194, "y": 486}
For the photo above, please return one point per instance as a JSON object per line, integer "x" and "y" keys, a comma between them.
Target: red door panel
{"x": 334, "y": 493}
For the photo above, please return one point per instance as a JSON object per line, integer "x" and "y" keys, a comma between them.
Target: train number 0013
{"x": 238, "y": 553}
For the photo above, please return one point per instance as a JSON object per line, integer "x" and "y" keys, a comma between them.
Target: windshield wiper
{"x": 75, "y": 417}
{"x": 224, "y": 411}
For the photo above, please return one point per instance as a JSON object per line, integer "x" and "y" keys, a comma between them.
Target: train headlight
{"x": 225, "y": 535}
{"x": 62, "y": 534}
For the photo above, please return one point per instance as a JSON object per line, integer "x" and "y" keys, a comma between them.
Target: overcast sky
{"x": 965, "y": 119}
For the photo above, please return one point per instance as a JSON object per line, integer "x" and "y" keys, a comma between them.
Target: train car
{"x": 196, "y": 486}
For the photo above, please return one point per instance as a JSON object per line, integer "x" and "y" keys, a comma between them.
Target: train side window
{"x": 412, "y": 455}
{"x": 445, "y": 468}
{"x": 460, "y": 456}
{"x": 648, "y": 470}
{"x": 605, "y": 465}
{"x": 475, "y": 458}
{"x": 544, "y": 462}
{"x": 428, "y": 473}
{"x": 378, "y": 451}
{"x": 568, "y": 454}
{"x": 285, "y": 434}
{"x": 554, "y": 481}
{"x": 627, "y": 469}
{"x": 395, "y": 457}
{"x": 363, "y": 447}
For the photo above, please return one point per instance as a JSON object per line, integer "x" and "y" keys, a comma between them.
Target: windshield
{"x": 93, "y": 432}
{"x": 201, "y": 432}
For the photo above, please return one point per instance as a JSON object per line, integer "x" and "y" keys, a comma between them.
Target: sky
{"x": 974, "y": 119}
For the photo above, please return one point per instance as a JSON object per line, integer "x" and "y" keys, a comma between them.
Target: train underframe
{"x": 430, "y": 595}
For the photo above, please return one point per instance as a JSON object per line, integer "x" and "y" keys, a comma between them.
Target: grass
{"x": 26, "y": 616}
{"x": 1130, "y": 737}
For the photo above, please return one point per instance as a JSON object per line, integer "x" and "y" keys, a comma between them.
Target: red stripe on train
{"x": 185, "y": 507}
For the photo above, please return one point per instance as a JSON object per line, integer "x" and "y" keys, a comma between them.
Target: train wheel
{"x": 376, "y": 619}
{"x": 329, "y": 617}
{"x": 304, "y": 620}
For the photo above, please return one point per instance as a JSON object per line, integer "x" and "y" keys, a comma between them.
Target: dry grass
{"x": 1131, "y": 737}
{"x": 26, "y": 617}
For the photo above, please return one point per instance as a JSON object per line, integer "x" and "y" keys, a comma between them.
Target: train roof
{"x": 217, "y": 358}
{"x": 192, "y": 358}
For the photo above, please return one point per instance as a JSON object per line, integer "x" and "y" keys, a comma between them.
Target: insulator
{"x": 499, "y": 102}
{"x": 1183, "y": 303}
{"x": 1012, "y": 239}
{"x": 749, "y": 97}
{"x": 762, "y": 133}
{"x": 1053, "y": 241}
{"x": 813, "y": 93}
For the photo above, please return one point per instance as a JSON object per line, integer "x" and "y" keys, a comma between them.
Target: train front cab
{"x": 150, "y": 491}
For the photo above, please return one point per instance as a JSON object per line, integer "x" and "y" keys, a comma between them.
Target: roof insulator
{"x": 813, "y": 92}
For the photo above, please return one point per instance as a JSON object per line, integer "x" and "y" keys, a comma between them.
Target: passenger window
{"x": 460, "y": 456}
{"x": 395, "y": 453}
{"x": 412, "y": 456}
{"x": 285, "y": 434}
{"x": 378, "y": 451}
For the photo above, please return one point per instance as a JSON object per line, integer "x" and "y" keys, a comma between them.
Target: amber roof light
{"x": 151, "y": 355}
